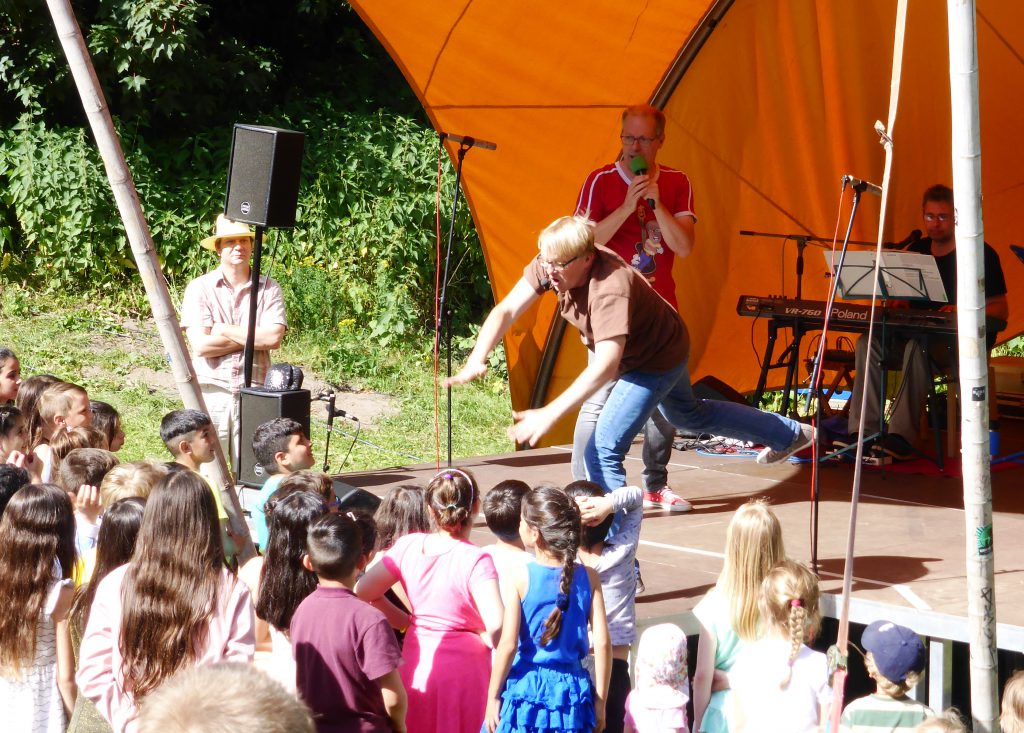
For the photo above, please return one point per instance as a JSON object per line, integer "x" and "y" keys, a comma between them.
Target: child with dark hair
{"x": 456, "y": 609}
{"x": 503, "y": 510}
{"x": 613, "y": 557}
{"x": 281, "y": 447}
{"x": 37, "y": 554}
{"x": 12, "y": 478}
{"x": 190, "y": 436}
{"x": 14, "y": 442}
{"x": 84, "y": 436}
{"x": 545, "y": 629}
{"x": 278, "y": 581}
{"x": 402, "y": 511}
{"x": 895, "y": 657}
{"x": 107, "y": 420}
{"x": 346, "y": 657}
{"x": 80, "y": 474}
{"x": 316, "y": 482}
{"x": 175, "y": 605}
{"x": 27, "y": 401}
{"x": 10, "y": 376}
{"x": 114, "y": 547}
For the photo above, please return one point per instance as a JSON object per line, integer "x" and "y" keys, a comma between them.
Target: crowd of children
{"x": 123, "y": 613}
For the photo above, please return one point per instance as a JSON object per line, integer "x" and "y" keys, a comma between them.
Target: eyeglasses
{"x": 557, "y": 266}
{"x": 630, "y": 139}
{"x": 937, "y": 217}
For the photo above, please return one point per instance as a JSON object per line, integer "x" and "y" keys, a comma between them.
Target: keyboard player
{"x": 938, "y": 214}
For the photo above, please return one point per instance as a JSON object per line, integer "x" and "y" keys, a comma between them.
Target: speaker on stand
{"x": 263, "y": 189}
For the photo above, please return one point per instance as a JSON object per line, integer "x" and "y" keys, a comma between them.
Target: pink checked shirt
{"x": 210, "y": 299}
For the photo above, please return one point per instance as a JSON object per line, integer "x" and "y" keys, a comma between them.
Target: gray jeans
{"x": 658, "y": 436}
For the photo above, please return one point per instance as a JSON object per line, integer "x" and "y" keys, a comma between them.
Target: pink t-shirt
{"x": 230, "y": 638}
{"x": 439, "y": 580}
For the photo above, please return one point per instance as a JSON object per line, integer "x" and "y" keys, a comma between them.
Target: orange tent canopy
{"x": 775, "y": 101}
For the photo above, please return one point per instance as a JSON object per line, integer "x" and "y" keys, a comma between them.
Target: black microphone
{"x": 468, "y": 142}
{"x": 861, "y": 185}
{"x": 639, "y": 167}
{"x": 914, "y": 236}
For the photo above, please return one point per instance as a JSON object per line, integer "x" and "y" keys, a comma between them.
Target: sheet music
{"x": 903, "y": 275}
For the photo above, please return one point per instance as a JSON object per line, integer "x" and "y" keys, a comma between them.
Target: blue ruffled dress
{"x": 547, "y": 687}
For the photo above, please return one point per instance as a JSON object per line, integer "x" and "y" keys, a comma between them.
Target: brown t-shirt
{"x": 617, "y": 301}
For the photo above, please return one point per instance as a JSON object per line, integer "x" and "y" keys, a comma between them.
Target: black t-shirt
{"x": 995, "y": 282}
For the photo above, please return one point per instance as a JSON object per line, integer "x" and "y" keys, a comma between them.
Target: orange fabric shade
{"x": 777, "y": 105}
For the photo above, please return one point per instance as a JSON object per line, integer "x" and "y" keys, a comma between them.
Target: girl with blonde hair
{"x": 728, "y": 614}
{"x": 1011, "y": 714}
{"x": 778, "y": 682}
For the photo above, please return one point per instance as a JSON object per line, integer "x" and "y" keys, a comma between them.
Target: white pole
{"x": 970, "y": 264}
{"x": 141, "y": 243}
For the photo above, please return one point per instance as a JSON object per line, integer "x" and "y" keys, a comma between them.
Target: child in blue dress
{"x": 538, "y": 681}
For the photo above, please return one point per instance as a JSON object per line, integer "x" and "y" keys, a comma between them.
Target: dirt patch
{"x": 369, "y": 407}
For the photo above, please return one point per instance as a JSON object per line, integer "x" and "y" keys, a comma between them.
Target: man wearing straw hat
{"x": 215, "y": 316}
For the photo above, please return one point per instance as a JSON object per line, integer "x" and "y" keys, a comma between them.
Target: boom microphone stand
{"x": 815, "y": 376}
{"x": 443, "y": 326}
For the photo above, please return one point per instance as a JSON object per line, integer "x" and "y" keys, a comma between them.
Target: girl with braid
{"x": 778, "y": 683}
{"x": 538, "y": 681}
{"x": 452, "y": 589}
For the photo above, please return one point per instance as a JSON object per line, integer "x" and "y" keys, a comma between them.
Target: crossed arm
{"x": 225, "y": 338}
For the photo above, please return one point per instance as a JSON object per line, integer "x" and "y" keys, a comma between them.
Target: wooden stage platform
{"x": 910, "y": 544}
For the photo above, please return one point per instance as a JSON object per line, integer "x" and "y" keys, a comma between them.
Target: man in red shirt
{"x": 647, "y": 219}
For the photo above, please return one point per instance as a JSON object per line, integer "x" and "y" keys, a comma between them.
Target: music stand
{"x": 902, "y": 276}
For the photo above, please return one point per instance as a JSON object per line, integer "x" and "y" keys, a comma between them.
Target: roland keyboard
{"x": 850, "y": 317}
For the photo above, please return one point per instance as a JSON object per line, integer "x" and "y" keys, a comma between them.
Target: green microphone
{"x": 639, "y": 167}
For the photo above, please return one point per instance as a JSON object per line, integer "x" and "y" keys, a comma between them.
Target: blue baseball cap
{"x": 897, "y": 650}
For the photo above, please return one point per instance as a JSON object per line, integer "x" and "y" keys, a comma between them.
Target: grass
{"x": 109, "y": 345}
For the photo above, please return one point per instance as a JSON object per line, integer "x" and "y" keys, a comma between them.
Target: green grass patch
{"x": 108, "y": 345}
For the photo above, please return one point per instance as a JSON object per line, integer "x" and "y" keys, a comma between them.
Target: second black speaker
{"x": 263, "y": 175}
{"x": 257, "y": 406}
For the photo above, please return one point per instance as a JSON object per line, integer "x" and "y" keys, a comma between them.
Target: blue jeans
{"x": 637, "y": 394}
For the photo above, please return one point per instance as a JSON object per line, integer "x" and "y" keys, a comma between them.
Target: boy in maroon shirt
{"x": 346, "y": 655}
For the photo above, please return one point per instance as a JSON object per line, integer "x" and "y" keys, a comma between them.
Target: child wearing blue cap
{"x": 895, "y": 658}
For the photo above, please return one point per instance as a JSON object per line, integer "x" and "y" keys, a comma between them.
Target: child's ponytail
{"x": 796, "y": 626}
{"x": 789, "y": 601}
{"x": 557, "y": 518}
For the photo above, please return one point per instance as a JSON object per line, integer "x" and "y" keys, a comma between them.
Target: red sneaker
{"x": 665, "y": 498}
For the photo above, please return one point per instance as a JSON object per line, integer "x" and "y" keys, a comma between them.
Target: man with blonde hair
{"x": 637, "y": 339}
{"x": 644, "y": 213}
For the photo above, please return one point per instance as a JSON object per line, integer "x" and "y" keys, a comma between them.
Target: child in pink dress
{"x": 456, "y": 610}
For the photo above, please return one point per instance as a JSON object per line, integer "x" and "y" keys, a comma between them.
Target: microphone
{"x": 468, "y": 142}
{"x": 914, "y": 236}
{"x": 861, "y": 186}
{"x": 639, "y": 167}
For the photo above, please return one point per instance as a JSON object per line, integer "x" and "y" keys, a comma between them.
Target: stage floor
{"x": 910, "y": 543}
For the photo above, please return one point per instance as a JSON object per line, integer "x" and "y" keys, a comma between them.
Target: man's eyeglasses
{"x": 558, "y": 266}
{"x": 630, "y": 139}
{"x": 937, "y": 217}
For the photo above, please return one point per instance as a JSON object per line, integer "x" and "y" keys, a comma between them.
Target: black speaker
{"x": 263, "y": 176}
{"x": 256, "y": 407}
{"x": 352, "y": 498}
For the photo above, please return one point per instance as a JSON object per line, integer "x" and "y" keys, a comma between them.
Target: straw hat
{"x": 225, "y": 229}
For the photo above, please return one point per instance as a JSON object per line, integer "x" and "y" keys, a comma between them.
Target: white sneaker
{"x": 803, "y": 440}
{"x": 666, "y": 498}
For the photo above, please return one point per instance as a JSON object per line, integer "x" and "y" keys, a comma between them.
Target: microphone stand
{"x": 443, "y": 326}
{"x": 815, "y": 378}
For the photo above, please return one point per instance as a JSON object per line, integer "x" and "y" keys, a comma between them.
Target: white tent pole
{"x": 141, "y": 242}
{"x": 970, "y": 264}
